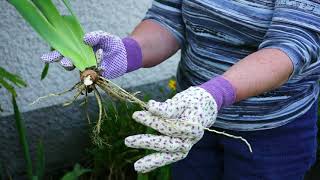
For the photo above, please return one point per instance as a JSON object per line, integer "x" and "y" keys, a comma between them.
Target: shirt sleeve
{"x": 295, "y": 30}
{"x": 168, "y": 14}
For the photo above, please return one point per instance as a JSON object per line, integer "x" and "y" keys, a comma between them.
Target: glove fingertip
{"x": 139, "y": 114}
{"x": 91, "y": 39}
{"x": 151, "y": 103}
{"x": 67, "y": 64}
{"x": 129, "y": 141}
{"x": 154, "y": 106}
{"x": 50, "y": 57}
{"x": 138, "y": 166}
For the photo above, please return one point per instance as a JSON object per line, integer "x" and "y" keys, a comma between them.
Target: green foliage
{"x": 63, "y": 33}
{"x": 22, "y": 137}
{"x": 40, "y": 163}
{"x": 45, "y": 71}
{"x": 8, "y": 80}
{"x": 113, "y": 155}
{"x": 75, "y": 173}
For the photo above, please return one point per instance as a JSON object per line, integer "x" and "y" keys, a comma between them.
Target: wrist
{"x": 134, "y": 54}
{"x": 221, "y": 90}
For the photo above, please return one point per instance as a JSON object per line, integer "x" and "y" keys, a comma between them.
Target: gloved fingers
{"x": 167, "y": 109}
{"x": 158, "y": 143}
{"x": 169, "y": 127}
{"x": 53, "y": 56}
{"x": 104, "y": 40}
{"x": 93, "y": 38}
{"x": 99, "y": 37}
{"x": 99, "y": 56}
{"x": 67, "y": 64}
{"x": 155, "y": 160}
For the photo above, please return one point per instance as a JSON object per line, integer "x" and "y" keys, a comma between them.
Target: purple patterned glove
{"x": 118, "y": 56}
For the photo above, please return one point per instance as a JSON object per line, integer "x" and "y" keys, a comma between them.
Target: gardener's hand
{"x": 118, "y": 56}
{"x": 181, "y": 121}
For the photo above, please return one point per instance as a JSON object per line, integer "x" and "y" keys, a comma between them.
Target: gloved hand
{"x": 181, "y": 121}
{"x": 118, "y": 56}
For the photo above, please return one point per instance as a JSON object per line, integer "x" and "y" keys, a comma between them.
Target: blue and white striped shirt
{"x": 215, "y": 34}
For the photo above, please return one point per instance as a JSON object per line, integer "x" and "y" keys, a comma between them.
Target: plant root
{"x": 76, "y": 86}
{"x": 231, "y": 136}
{"x": 86, "y": 103}
{"x": 99, "y": 101}
{"x": 80, "y": 90}
{"x": 117, "y": 92}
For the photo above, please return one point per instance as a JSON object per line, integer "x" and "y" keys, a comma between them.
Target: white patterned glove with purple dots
{"x": 181, "y": 122}
{"x": 118, "y": 56}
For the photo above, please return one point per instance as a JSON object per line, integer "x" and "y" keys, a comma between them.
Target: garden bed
{"x": 63, "y": 130}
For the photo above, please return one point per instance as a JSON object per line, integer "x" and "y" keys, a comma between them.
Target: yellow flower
{"x": 172, "y": 84}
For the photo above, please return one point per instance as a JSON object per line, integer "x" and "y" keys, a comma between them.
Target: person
{"x": 248, "y": 67}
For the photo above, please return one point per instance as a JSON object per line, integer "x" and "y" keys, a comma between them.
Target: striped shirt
{"x": 215, "y": 34}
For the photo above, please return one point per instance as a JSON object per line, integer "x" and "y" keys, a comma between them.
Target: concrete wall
{"x": 20, "y": 49}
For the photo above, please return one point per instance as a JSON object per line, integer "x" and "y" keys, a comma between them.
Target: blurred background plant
{"x": 9, "y": 81}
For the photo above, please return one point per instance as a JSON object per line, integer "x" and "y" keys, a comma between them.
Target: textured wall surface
{"x": 63, "y": 130}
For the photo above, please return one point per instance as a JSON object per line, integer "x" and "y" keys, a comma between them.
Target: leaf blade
{"x": 17, "y": 80}
{"x": 45, "y": 71}
{"x": 22, "y": 136}
{"x": 8, "y": 87}
{"x": 40, "y": 163}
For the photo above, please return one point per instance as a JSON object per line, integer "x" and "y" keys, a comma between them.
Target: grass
{"x": 112, "y": 159}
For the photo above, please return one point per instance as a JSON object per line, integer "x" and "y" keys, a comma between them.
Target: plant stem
{"x": 22, "y": 137}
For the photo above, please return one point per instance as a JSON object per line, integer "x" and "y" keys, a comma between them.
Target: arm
{"x": 161, "y": 33}
{"x": 156, "y": 42}
{"x": 259, "y": 72}
{"x": 290, "y": 47}
{"x": 289, "y": 51}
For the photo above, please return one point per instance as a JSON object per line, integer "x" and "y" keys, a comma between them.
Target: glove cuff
{"x": 221, "y": 90}
{"x": 134, "y": 54}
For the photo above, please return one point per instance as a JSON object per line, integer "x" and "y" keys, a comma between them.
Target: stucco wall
{"x": 63, "y": 129}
